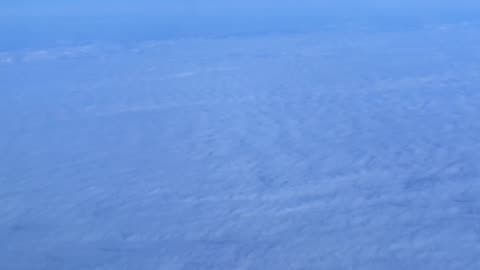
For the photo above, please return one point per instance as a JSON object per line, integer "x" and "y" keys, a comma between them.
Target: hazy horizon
{"x": 49, "y": 23}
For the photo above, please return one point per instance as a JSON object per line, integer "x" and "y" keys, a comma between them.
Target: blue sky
{"x": 28, "y": 23}
{"x": 90, "y": 7}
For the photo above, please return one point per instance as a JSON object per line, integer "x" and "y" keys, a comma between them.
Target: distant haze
{"x": 27, "y": 23}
